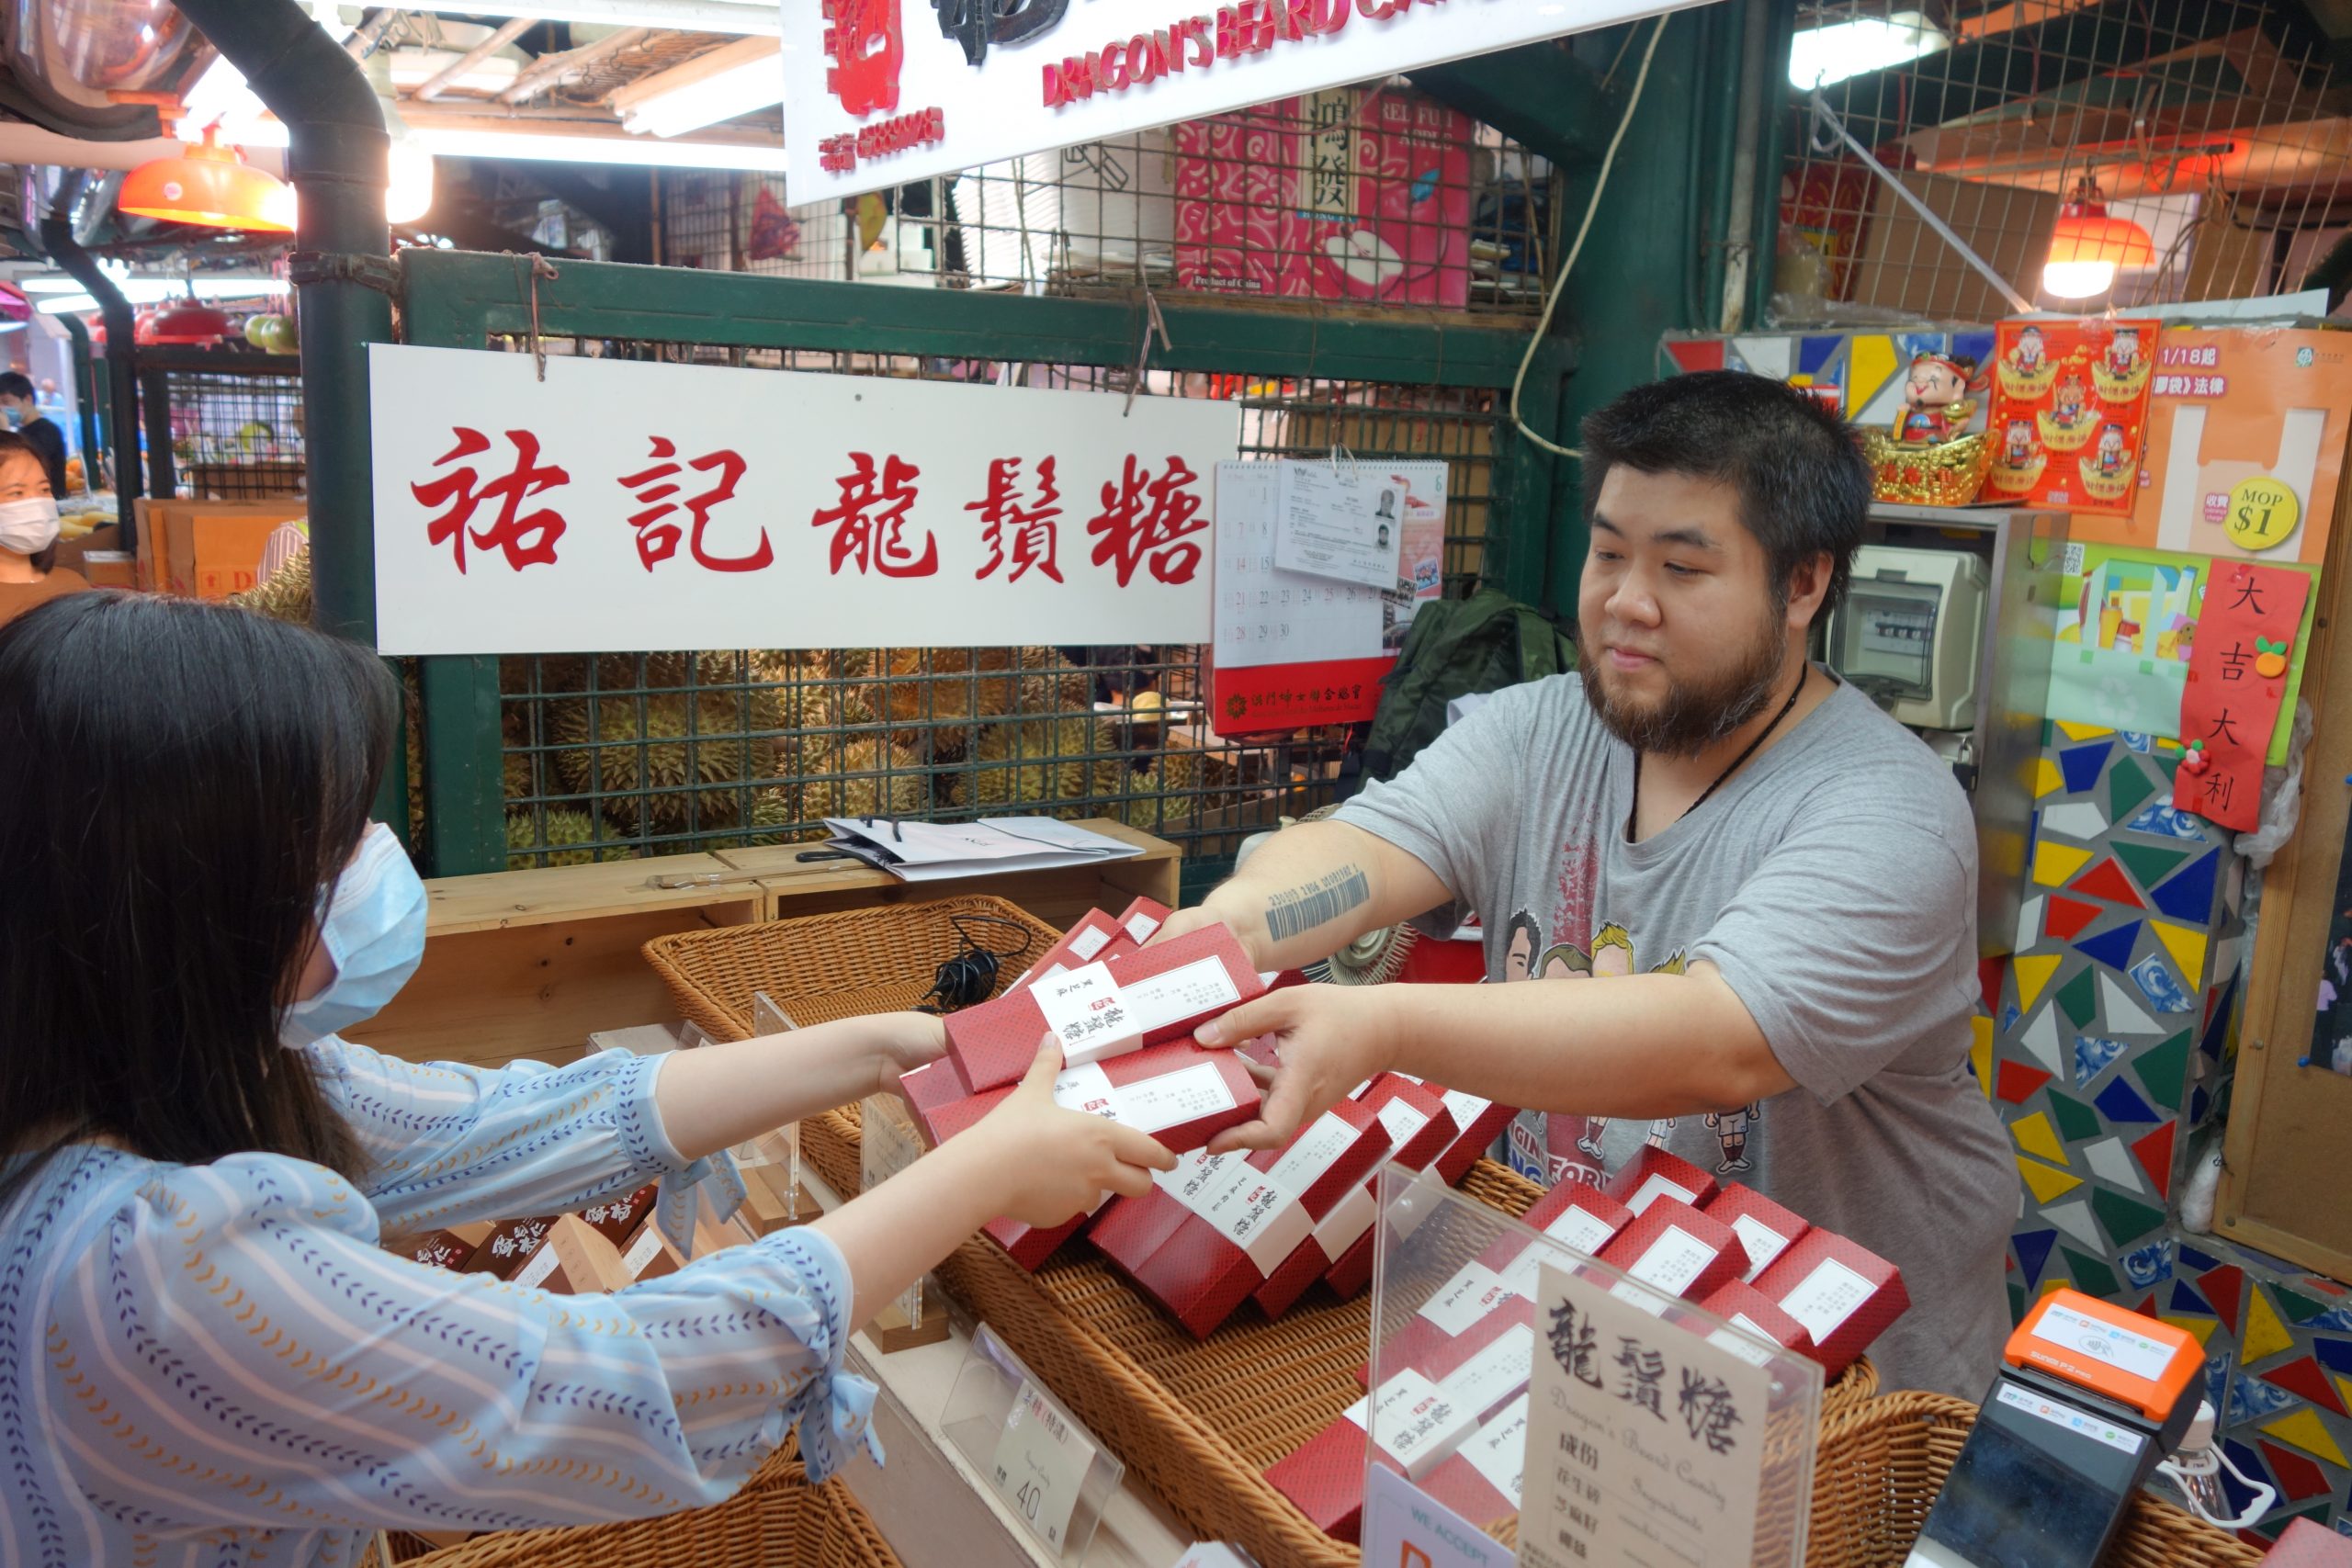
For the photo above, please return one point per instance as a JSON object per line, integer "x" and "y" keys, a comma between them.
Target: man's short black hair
{"x": 1804, "y": 488}
{"x": 16, "y": 384}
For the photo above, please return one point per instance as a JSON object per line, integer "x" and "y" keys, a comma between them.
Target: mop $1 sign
{"x": 630, "y": 503}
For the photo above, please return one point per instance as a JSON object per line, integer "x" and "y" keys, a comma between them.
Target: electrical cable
{"x": 1567, "y": 263}
{"x": 969, "y": 977}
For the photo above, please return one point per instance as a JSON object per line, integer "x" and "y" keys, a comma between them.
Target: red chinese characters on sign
{"x": 1024, "y": 533}
{"x": 869, "y": 522}
{"x": 2237, "y": 679}
{"x": 527, "y": 539}
{"x": 1147, "y": 520}
{"x": 658, "y": 535}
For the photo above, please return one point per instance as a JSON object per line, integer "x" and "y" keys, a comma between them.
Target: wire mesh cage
{"x": 1368, "y": 196}
{"x": 236, "y": 433}
{"x": 2217, "y": 128}
{"x": 628, "y": 753}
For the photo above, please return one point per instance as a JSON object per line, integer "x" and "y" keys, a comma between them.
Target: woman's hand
{"x": 901, "y": 1041}
{"x": 1054, "y": 1164}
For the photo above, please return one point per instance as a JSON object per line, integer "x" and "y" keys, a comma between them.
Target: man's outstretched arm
{"x": 1312, "y": 888}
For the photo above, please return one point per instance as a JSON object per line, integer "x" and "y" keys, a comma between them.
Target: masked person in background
{"x": 28, "y": 573}
{"x": 22, "y": 408}
{"x": 1778, "y": 880}
{"x": 203, "y": 1350}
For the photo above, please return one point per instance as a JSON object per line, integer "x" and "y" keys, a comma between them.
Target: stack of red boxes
{"x": 1421, "y": 1131}
{"x": 1214, "y": 1231}
{"x": 1845, "y": 1295}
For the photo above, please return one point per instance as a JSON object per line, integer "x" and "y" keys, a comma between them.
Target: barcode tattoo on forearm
{"x": 1301, "y": 909}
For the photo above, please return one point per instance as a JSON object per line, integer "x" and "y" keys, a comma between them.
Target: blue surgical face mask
{"x": 373, "y": 929}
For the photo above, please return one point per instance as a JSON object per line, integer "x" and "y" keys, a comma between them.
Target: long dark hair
{"x": 177, "y": 781}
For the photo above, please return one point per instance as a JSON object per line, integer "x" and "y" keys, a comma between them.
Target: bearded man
{"x": 1795, "y": 873}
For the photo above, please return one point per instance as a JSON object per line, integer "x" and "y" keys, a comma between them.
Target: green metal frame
{"x": 457, "y": 300}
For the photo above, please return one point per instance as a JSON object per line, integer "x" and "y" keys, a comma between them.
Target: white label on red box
{"x": 1673, "y": 1261}
{"x": 1188, "y": 1094}
{"x": 1825, "y": 1298}
{"x": 1465, "y": 1109}
{"x": 1498, "y": 1449}
{"x": 1519, "y": 1278}
{"x": 1201, "y": 987}
{"x": 1417, "y": 1424}
{"x": 1089, "y": 942}
{"x": 1464, "y": 1299}
{"x": 1089, "y": 1088}
{"x": 1343, "y": 1227}
{"x": 1494, "y": 1374}
{"x": 2119, "y": 1348}
{"x": 1402, "y": 1122}
{"x": 1314, "y": 1152}
{"x": 1580, "y": 1228}
{"x": 1753, "y": 1354}
{"x": 643, "y": 1250}
{"x": 1261, "y": 1217}
{"x": 1655, "y": 1188}
{"x": 1141, "y": 929}
{"x": 1085, "y": 1011}
{"x": 1762, "y": 1242}
{"x": 536, "y": 1271}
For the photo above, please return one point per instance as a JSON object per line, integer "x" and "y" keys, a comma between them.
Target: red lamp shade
{"x": 2085, "y": 233}
{"x": 209, "y": 185}
{"x": 184, "y": 321}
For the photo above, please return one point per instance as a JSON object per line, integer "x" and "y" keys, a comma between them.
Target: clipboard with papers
{"x": 939, "y": 852}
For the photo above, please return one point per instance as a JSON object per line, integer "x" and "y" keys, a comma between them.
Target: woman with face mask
{"x": 204, "y": 1352}
{"x": 29, "y": 575}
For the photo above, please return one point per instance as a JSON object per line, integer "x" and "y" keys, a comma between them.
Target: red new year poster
{"x": 2070, "y": 413}
{"x": 2237, "y": 679}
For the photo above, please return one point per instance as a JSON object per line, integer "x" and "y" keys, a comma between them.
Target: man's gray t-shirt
{"x": 1832, "y": 882}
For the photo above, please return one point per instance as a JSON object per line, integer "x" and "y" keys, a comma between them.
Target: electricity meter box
{"x": 1910, "y": 632}
{"x": 2089, "y": 1397}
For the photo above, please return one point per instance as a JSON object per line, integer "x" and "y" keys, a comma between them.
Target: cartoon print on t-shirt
{"x": 1565, "y": 961}
{"x": 1612, "y": 950}
{"x": 1731, "y": 1130}
{"x": 1522, "y": 939}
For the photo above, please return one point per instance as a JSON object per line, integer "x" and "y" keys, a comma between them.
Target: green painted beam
{"x": 454, "y": 298}
{"x": 1539, "y": 95}
{"x": 465, "y": 821}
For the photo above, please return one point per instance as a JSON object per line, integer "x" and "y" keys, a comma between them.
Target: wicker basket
{"x": 778, "y": 1520}
{"x": 1881, "y": 1463}
{"x": 1198, "y": 1423}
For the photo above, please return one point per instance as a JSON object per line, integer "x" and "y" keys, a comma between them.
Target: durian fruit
{"x": 621, "y": 753}
{"x": 869, "y": 778}
{"x": 775, "y": 816}
{"x": 569, "y": 834}
{"x": 1041, "y": 764}
{"x": 1162, "y": 794}
{"x": 286, "y": 597}
{"x": 546, "y": 674}
{"x": 934, "y": 693}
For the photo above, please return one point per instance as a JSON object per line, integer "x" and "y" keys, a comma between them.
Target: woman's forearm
{"x": 718, "y": 1095}
{"x": 893, "y": 1234}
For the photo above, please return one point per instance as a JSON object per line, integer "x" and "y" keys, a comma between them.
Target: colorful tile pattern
{"x": 2115, "y": 1028}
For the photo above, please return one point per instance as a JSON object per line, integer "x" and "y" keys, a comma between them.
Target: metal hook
{"x": 1153, "y": 323}
{"x": 541, "y": 267}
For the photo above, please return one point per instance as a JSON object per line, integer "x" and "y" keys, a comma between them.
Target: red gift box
{"x": 1181, "y": 1094}
{"x": 1030, "y": 1246}
{"x": 511, "y": 1250}
{"x": 1767, "y": 1229}
{"x": 1082, "y": 943}
{"x": 1742, "y": 1303}
{"x": 1103, "y": 1010}
{"x": 1654, "y": 1174}
{"x": 1581, "y": 1217}
{"x": 1678, "y": 1250}
{"x": 1141, "y": 920}
{"x": 1339, "y": 1202}
{"x": 1245, "y": 1217}
{"x": 1481, "y": 1482}
{"x": 1419, "y": 1130}
{"x": 1844, "y": 1294}
{"x": 1478, "y": 1123}
{"x": 1486, "y": 1367}
{"x": 932, "y": 1087}
{"x": 1421, "y": 1427}
{"x": 617, "y": 1219}
{"x": 442, "y": 1249}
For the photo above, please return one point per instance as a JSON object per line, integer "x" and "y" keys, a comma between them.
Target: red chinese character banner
{"x": 626, "y": 504}
{"x": 2237, "y": 680}
{"x": 2070, "y": 412}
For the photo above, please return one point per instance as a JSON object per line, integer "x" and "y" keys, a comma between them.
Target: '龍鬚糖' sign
{"x": 624, "y": 505}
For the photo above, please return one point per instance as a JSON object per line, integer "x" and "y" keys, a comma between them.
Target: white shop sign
{"x": 883, "y": 92}
{"x": 624, "y": 504}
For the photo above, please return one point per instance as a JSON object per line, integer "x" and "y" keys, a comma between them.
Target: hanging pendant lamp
{"x": 2087, "y": 247}
{"x": 209, "y": 185}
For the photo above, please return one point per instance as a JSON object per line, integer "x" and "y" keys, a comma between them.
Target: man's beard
{"x": 1692, "y": 716}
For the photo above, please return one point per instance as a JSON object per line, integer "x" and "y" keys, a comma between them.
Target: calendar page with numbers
{"x": 1292, "y": 647}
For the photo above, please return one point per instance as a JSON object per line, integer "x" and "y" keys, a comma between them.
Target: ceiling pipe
{"x": 122, "y": 373}
{"x": 342, "y": 271}
{"x": 433, "y": 86}
{"x": 551, "y": 68}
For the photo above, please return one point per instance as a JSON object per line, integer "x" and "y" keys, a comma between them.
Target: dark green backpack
{"x": 1456, "y": 646}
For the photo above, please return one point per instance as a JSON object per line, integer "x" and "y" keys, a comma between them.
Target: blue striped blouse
{"x": 218, "y": 1365}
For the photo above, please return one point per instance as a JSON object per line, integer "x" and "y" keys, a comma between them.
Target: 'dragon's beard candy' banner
{"x": 2070, "y": 413}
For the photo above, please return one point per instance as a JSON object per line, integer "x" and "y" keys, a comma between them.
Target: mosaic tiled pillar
{"x": 2106, "y": 1055}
